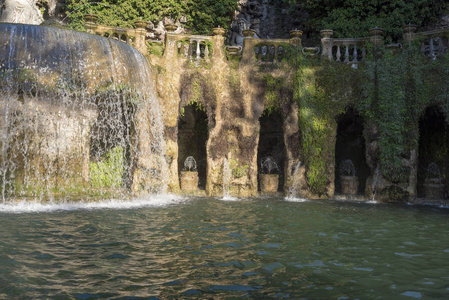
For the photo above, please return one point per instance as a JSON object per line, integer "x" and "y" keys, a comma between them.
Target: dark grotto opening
{"x": 271, "y": 145}
{"x": 432, "y": 154}
{"x": 350, "y": 152}
{"x": 192, "y": 138}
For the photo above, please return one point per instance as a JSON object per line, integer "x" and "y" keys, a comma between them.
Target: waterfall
{"x": 293, "y": 191}
{"x": 226, "y": 180}
{"x": 71, "y": 103}
{"x": 373, "y": 186}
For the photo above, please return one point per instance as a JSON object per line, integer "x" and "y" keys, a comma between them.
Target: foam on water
{"x": 295, "y": 199}
{"x": 26, "y": 206}
{"x": 229, "y": 198}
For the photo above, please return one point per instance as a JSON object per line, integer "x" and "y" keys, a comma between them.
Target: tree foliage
{"x": 354, "y": 18}
{"x": 201, "y": 15}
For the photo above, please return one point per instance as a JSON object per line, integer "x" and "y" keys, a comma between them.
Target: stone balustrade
{"x": 266, "y": 50}
{"x": 194, "y": 47}
{"x": 346, "y": 50}
{"x": 269, "y": 51}
{"x": 434, "y": 43}
{"x": 350, "y": 51}
{"x": 133, "y": 37}
{"x": 198, "y": 48}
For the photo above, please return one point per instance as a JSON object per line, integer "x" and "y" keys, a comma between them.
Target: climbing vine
{"x": 198, "y": 16}
{"x": 323, "y": 91}
{"x": 398, "y": 88}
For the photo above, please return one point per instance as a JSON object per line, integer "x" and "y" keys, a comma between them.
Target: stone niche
{"x": 351, "y": 169}
{"x": 433, "y": 152}
{"x": 192, "y": 139}
{"x": 271, "y": 144}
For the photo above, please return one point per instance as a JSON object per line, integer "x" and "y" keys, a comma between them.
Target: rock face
{"x": 269, "y": 20}
{"x": 21, "y": 11}
{"x": 269, "y": 183}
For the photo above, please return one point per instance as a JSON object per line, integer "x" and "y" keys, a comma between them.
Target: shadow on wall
{"x": 350, "y": 153}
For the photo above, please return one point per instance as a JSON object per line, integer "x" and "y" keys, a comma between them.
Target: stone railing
{"x": 201, "y": 50}
{"x": 132, "y": 37}
{"x": 348, "y": 50}
{"x": 268, "y": 50}
{"x": 434, "y": 44}
{"x": 353, "y": 50}
{"x": 194, "y": 47}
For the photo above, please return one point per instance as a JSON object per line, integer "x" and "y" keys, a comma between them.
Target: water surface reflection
{"x": 207, "y": 248}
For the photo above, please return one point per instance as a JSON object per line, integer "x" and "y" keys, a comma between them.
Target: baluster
{"x": 329, "y": 55}
{"x": 206, "y": 52}
{"x": 355, "y": 54}
{"x": 275, "y": 59}
{"x": 264, "y": 52}
{"x": 347, "y": 54}
{"x": 198, "y": 50}
{"x": 432, "y": 49}
{"x": 186, "y": 50}
{"x": 191, "y": 49}
{"x": 338, "y": 53}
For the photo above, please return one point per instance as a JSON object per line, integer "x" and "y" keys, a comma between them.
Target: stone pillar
{"x": 218, "y": 44}
{"x": 248, "y": 55}
{"x": 409, "y": 33}
{"x": 90, "y": 23}
{"x": 295, "y": 37}
{"x": 140, "y": 36}
{"x": 171, "y": 47}
{"x": 376, "y": 36}
{"x": 189, "y": 181}
{"x": 326, "y": 43}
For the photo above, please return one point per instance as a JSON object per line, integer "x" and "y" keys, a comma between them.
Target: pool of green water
{"x": 207, "y": 248}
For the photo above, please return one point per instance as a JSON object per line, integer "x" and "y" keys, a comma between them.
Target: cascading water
{"x": 373, "y": 186}
{"x": 226, "y": 179}
{"x": 293, "y": 191}
{"x": 78, "y": 114}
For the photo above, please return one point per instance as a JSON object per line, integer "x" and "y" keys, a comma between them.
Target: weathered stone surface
{"x": 21, "y": 11}
{"x": 189, "y": 181}
{"x": 349, "y": 185}
{"x": 434, "y": 189}
{"x": 269, "y": 183}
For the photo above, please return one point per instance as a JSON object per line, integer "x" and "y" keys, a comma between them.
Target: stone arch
{"x": 433, "y": 152}
{"x": 271, "y": 144}
{"x": 350, "y": 158}
{"x": 195, "y": 88}
{"x": 195, "y": 120}
{"x": 193, "y": 134}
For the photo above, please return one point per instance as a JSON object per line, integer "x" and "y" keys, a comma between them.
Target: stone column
{"x": 376, "y": 36}
{"x": 248, "y": 55}
{"x": 171, "y": 48}
{"x": 409, "y": 33}
{"x": 140, "y": 36}
{"x": 295, "y": 37}
{"x": 326, "y": 43}
{"x": 218, "y": 43}
{"x": 90, "y": 23}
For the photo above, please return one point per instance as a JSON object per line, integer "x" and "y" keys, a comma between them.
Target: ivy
{"x": 200, "y": 16}
{"x": 354, "y": 18}
{"x": 323, "y": 91}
